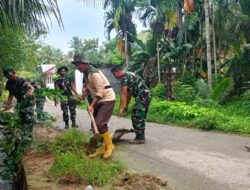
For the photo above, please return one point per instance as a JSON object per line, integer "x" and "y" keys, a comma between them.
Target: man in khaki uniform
{"x": 102, "y": 104}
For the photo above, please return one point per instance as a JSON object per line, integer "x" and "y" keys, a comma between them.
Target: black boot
{"x": 66, "y": 124}
{"x": 139, "y": 138}
{"x": 74, "y": 124}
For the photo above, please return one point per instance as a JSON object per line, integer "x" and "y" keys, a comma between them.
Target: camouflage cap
{"x": 7, "y": 70}
{"x": 79, "y": 58}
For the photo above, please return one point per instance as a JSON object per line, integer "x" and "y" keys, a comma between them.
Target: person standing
{"x": 39, "y": 101}
{"x": 66, "y": 84}
{"x": 22, "y": 91}
{"x": 102, "y": 104}
{"x": 133, "y": 85}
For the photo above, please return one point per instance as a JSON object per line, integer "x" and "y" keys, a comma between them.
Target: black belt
{"x": 106, "y": 87}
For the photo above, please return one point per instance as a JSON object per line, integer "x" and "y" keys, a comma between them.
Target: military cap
{"x": 79, "y": 58}
{"x": 7, "y": 70}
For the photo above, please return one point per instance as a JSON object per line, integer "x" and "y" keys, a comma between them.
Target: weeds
{"x": 71, "y": 162}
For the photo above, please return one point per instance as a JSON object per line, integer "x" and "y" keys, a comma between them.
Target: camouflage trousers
{"x": 71, "y": 106}
{"x": 139, "y": 113}
{"x": 25, "y": 111}
{"x": 40, "y": 101}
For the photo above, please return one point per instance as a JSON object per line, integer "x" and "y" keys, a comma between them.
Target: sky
{"x": 79, "y": 20}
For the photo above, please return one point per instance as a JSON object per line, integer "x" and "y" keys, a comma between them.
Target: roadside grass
{"x": 233, "y": 117}
{"x": 71, "y": 162}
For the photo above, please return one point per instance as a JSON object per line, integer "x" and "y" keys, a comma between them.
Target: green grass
{"x": 72, "y": 162}
{"x": 232, "y": 117}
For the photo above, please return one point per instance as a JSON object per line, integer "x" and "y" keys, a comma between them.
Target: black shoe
{"x": 74, "y": 125}
{"x": 66, "y": 124}
{"x": 137, "y": 141}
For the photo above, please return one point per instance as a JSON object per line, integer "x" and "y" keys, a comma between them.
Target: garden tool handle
{"x": 92, "y": 118}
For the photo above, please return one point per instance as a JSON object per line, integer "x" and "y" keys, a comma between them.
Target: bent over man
{"x": 103, "y": 101}
{"x": 133, "y": 85}
{"x": 22, "y": 91}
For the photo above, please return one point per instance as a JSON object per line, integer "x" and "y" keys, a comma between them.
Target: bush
{"x": 183, "y": 92}
{"x": 222, "y": 90}
{"x": 159, "y": 92}
{"x": 195, "y": 115}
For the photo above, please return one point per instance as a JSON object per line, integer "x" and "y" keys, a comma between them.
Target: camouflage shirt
{"x": 64, "y": 83}
{"x": 136, "y": 86}
{"x": 17, "y": 88}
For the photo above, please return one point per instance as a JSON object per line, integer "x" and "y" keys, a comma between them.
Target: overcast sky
{"x": 79, "y": 20}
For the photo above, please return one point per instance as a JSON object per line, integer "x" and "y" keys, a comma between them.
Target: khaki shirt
{"x": 99, "y": 86}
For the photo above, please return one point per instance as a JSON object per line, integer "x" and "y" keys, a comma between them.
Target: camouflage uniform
{"x": 64, "y": 83}
{"x": 39, "y": 101}
{"x": 139, "y": 90}
{"x": 25, "y": 105}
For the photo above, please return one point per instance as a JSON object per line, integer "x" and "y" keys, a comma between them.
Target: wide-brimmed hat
{"x": 79, "y": 58}
{"x": 7, "y": 70}
{"x": 62, "y": 67}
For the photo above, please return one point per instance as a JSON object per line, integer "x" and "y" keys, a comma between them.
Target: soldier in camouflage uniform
{"x": 22, "y": 91}
{"x": 39, "y": 101}
{"x": 66, "y": 84}
{"x": 133, "y": 85}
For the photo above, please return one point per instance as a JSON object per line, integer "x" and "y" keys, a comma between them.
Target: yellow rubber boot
{"x": 98, "y": 152}
{"x": 109, "y": 145}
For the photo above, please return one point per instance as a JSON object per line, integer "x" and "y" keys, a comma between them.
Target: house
{"x": 47, "y": 71}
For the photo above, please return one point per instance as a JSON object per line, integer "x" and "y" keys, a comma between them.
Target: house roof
{"x": 47, "y": 67}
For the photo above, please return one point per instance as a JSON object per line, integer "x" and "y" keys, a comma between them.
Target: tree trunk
{"x": 126, "y": 48}
{"x": 168, "y": 83}
{"x": 158, "y": 62}
{"x": 208, "y": 41}
{"x": 214, "y": 43}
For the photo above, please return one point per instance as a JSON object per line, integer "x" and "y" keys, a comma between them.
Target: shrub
{"x": 203, "y": 89}
{"x": 222, "y": 90}
{"x": 183, "y": 92}
{"x": 159, "y": 92}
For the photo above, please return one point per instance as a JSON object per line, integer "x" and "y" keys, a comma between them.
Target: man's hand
{"x": 28, "y": 94}
{"x": 120, "y": 113}
{"x": 90, "y": 109}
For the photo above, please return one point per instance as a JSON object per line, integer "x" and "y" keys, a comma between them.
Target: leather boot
{"x": 140, "y": 138}
{"x": 66, "y": 124}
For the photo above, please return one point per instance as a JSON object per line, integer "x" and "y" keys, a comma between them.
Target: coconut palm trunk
{"x": 214, "y": 42}
{"x": 208, "y": 41}
{"x": 126, "y": 48}
{"x": 158, "y": 62}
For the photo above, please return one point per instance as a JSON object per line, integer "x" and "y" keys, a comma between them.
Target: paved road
{"x": 189, "y": 159}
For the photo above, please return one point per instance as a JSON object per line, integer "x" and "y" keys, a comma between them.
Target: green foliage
{"x": 203, "y": 88}
{"x": 183, "y": 92}
{"x": 195, "y": 115}
{"x": 159, "y": 92}
{"x": 71, "y": 162}
{"x": 14, "y": 144}
{"x": 222, "y": 90}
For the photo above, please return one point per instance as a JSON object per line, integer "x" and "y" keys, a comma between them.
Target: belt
{"x": 109, "y": 86}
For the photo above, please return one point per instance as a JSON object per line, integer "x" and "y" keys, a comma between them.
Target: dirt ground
{"x": 37, "y": 167}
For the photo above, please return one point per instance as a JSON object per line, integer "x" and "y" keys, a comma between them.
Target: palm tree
{"x": 118, "y": 16}
{"x": 76, "y": 44}
{"x": 30, "y": 15}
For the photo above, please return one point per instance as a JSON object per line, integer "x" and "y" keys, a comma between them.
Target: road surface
{"x": 188, "y": 158}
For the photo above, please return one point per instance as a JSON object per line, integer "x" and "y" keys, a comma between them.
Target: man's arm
{"x": 127, "y": 102}
{"x": 30, "y": 90}
{"x": 7, "y": 104}
{"x": 123, "y": 99}
{"x": 73, "y": 87}
{"x": 56, "y": 88}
